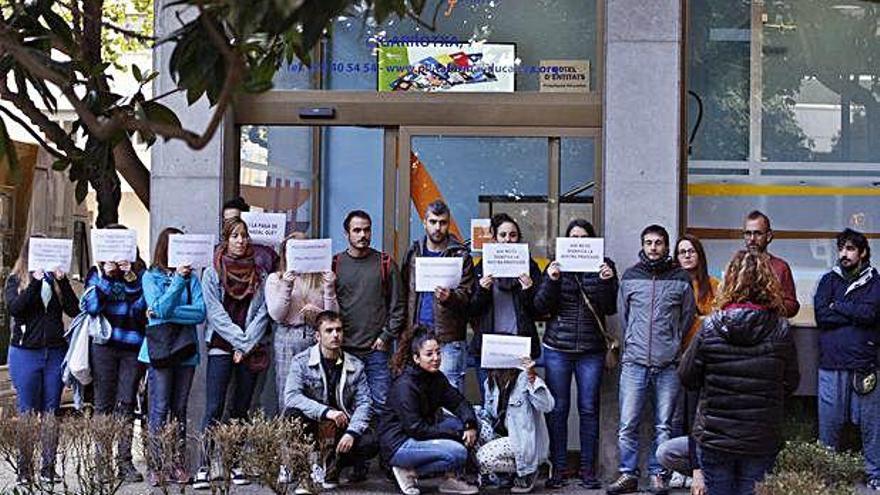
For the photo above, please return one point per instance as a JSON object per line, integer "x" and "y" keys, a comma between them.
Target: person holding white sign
{"x": 173, "y": 295}
{"x": 444, "y": 310}
{"x": 503, "y": 305}
{"x": 574, "y": 346}
{"x": 37, "y": 301}
{"x": 267, "y": 258}
{"x": 236, "y": 322}
{"x": 513, "y": 431}
{"x": 293, "y": 301}
{"x": 118, "y": 296}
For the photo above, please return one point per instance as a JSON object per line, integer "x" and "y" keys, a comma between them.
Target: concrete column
{"x": 642, "y": 149}
{"x": 186, "y": 186}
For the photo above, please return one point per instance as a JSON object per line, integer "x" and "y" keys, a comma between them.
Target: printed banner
{"x": 505, "y": 260}
{"x": 193, "y": 250}
{"x": 267, "y": 229}
{"x": 437, "y": 272}
{"x": 309, "y": 255}
{"x": 448, "y": 67}
{"x": 114, "y": 245}
{"x": 580, "y": 254}
{"x": 49, "y": 254}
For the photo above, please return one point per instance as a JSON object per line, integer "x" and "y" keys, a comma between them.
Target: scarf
{"x": 851, "y": 274}
{"x": 240, "y": 278}
{"x": 655, "y": 266}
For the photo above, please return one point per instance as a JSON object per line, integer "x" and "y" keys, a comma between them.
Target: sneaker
{"x": 688, "y": 482}
{"x": 625, "y": 483}
{"x": 301, "y": 490}
{"x": 406, "y": 480}
{"x": 658, "y": 484}
{"x": 128, "y": 474}
{"x": 589, "y": 481}
{"x": 524, "y": 484}
{"x": 455, "y": 485}
{"x": 554, "y": 483}
{"x": 677, "y": 480}
{"x": 284, "y": 476}
{"x": 239, "y": 478}
{"x": 874, "y": 484}
{"x": 203, "y": 480}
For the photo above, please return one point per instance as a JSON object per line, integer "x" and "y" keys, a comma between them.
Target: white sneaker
{"x": 202, "y": 480}
{"x": 688, "y": 482}
{"x": 406, "y": 480}
{"x": 677, "y": 480}
{"x": 455, "y": 485}
{"x": 284, "y": 476}
{"x": 300, "y": 490}
{"x": 239, "y": 478}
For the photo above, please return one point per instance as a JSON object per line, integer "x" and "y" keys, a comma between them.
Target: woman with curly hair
{"x": 745, "y": 362}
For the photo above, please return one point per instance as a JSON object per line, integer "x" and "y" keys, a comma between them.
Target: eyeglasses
{"x": 687, "y": 252}
{"x": 753, "y": 233}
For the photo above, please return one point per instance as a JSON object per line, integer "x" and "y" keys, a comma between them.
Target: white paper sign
{"x": 505, "y": 260}
{"x": 580, "y": 254}
{"x": 309, "y": 255}
{"x": 267, "y": 229}
{"x": 114, "y": 245}
{"x": 195, "y": 250}
{"x": 504, "y": 351}
{"x": 49, "y": 254}
{"x": 437, "y": 272}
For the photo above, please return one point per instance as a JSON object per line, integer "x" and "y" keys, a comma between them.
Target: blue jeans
{"x": 587, "y": 371}
{"x": 221, "y": 370}
{"x": 838, "y": 404}
{"x": 168, "y": 391}
{"x": 433, "y": 456}
{"x": 36, "y": 376}
{"x": 453, "y": 362}
{"x": 378, "y": 375}
{"x": 675, "y": 455}
{"x": 731, "y": 474}
{"x": 637, "y": 384}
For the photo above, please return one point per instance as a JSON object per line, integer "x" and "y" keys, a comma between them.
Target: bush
{"x": 821, "y": 461}
{"x": 800, "y": 483}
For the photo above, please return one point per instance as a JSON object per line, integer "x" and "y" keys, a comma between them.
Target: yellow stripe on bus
{"x": 777, "y": 190}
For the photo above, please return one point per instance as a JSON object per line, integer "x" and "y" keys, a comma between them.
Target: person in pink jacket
{"x": 293, "y": 301}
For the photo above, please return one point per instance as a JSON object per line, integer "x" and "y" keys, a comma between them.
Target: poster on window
{"x": 447, "y": 67}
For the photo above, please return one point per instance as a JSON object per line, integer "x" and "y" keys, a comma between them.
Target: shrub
{"x": 821, "y": 461}
{"x": 801, "y": 483}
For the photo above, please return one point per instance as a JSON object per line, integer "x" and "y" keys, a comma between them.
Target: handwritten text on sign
{"x": 267, "y": 229}
{"x": 194, "y": 250}
{"x": 309, "y": 256}
{"x": 49, "y": 254}
{"x": 437, "y": 272}
{"x": 505, "y": 260}
{"x": 504, "y": 351}
{"x": 580, "y": 254}
{"x": 114, "y": 245}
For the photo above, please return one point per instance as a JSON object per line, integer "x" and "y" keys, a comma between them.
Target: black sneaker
{"x": 128, "y": 474}
{"x": 625, "y": 483}
{"x": 554, "y": 483}
{"x": 524, "y": 484}
{"x": 589, "y": 481}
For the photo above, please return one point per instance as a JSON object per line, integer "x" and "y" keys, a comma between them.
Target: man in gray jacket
{"x": 328, "y": 390}
{"x": 656, "y": 304}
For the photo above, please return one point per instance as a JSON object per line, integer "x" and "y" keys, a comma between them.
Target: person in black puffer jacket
{"x": 416, "y": 437}
{"x": 745, "y": 362}
{"x": 503, "y": 305}
{"x": 573, "y": 344}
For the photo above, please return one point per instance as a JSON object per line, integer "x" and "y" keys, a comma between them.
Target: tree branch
{"x": 133, "y": 169}
{"x": 51, "y": 149}
{"x": 50, "y": 129}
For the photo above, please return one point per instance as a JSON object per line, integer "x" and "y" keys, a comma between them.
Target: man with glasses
{"x": 757, "y": 235}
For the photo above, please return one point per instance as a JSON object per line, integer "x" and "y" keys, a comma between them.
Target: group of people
{"x": 372, "y": 366}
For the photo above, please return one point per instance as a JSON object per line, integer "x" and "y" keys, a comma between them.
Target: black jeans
{"x": 220, "y": 372}
{"x": 117, "y": 374}
{"x": 327, "y": 436}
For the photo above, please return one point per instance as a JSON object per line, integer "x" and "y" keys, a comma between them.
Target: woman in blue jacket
{"x": 37, "y": 301}
{"x": 117, "y": 295}
{"x": 173, "y": 295}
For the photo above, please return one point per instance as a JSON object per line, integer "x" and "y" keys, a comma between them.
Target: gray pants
{"x": 287, "y": 342}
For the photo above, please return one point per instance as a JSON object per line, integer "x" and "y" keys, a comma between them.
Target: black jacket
{"x": 35, "y": 326}
{"x": 744, "y": 359}
{"x": 413, "y": 410}
{"x": 482, "y": 309}
{"x": 572, "y": 326}
{"x": 848, "y": 315}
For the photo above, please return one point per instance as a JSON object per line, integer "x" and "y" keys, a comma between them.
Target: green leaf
{"x": 158, "y": 112}
{"x": 136, "y": 72}
{"x": 82, "y": 189}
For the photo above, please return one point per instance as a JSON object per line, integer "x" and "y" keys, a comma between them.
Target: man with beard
{"x": 370, "y": 297}
{"x": 445, "y": 310}
{"x": 757, "y": 235}
{"x": 656, "y": 305}
{"x": 847, "y": 305}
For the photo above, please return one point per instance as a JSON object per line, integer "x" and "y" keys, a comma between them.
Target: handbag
{"x": 171, "y": 343}
{"x": 612, "y": 351}
{"x": 257, "y": 360}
